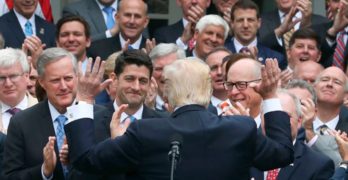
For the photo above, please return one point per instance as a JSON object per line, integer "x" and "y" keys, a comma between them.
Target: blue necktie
{"x": 132, "y": 118}
{"x": 130, "y": 47}
{"x": 61, "y": 119}
{"x": 110, "y": 22}
{"x": 28, "y": 29}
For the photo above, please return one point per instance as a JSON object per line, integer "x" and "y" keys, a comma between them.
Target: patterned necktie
{"x": 28, "y": 29}
{"x": 272, "y": 174}
{"x": 110, "y": 22}
{"x": 191, "y": 44}
{"x": 322, "y": 129}
{"x": 287, "y": 36}
{"x": 338, "y": 59}
{"x": 13, "y": 111}
{"x": 60, "y": 133}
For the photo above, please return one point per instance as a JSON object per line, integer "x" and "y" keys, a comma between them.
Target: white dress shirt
{"x": 101, "y": 7}
{"x": 22, "y": 20}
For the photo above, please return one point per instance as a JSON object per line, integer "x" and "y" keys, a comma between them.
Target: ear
{"x": 195, "y": 35}
{"x": 88, "y": 40}
{"x": 147, "y": 21}
{"x": 42, "y": 84}
{"x": 319, "y": 56}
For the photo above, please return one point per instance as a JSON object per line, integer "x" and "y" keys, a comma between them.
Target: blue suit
{"x": 213, "y": 147}
{"x": 308, "y": 164}
{"x": 340, "y": 174}
{"x": 263, "y": 53}
{"x": 169, "y": 34}
{"x": 14, "y": 36}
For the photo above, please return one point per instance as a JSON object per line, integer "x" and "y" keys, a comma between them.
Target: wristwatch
{"x": 344, "y": 164}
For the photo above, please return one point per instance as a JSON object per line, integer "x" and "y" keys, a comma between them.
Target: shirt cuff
{"x": 312, "y": 141}
{"x": 43, "y": 176}
{"x": 79, "y": 111}
{"x": 279, "y": 40}
{"x": 108, "y": 34}
{"x": 330, "y": 42}
{"x": 270, "y": 105}
{"x": 181, "y": 44}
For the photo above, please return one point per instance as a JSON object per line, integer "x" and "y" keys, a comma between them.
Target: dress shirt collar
{"x": 22, "y": 20}
{"x": 138, "y": 115}
{"x": 216, "y": 103}
{"x": 54, "y": 112}
{"x": 298, "y": 15}
{"x": 113, "y": 5}
{"x": 184, "y": 22}
{"x": 330, "y": 124}
{"x": 135, "y": 45}
{"x": 21, "y": 105}
{"x": 239, "y": 45}
{"x": 258, "y": 120}
{"x": 159, "y": 102}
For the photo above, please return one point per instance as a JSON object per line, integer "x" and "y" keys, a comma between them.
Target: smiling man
{"x": 73, "y": 35}
{"x": 211, "y": 32}
{"x": 304, "y": 45}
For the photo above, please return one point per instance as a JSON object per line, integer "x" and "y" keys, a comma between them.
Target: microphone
{"x": 174, "y": 152}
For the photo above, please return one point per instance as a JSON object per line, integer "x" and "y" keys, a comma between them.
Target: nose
{"x": 8, "y": 82}
{"x": 219, "y": 70}
{"x": 245, "y": 23}
{"x": 63, "y": 84}
{"x": 136, "y": 85}
{"x": 234, "y": 91}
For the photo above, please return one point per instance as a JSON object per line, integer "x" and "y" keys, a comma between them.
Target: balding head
{"x": 308, "y": 71}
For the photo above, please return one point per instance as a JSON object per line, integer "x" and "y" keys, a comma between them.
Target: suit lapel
{"x": 16, "y": 27}
{"x": 288, "y": 171}
{"x": 96, "y": 15}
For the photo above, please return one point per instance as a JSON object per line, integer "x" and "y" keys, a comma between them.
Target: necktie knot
{"x": 110, "y": 22}
{"x": 61, "y": 119}
{"x": 28, "y": 30}
{"x": 13, "y": 111}
{"x": 322, "y": 129}
{"x": 130, "y": 47}
{"x": 244, "y": 50}
{"x": 132, "y": 118}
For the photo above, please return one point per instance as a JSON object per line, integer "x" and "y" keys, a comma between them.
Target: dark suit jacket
{"x": 105, "y": 47}
{"x": 271, "y": 21}
{"x": 14, "y": 36}
{"x": 27, "y": 135}
{"x": 263, "y": 53}
{"x": 2, "y": 146}
{"x": 169, "y": 34}
{"x": 210, "y": 146}
{"x": 340, "y": 174}
{"x": 308, "y": 164}
{"x": 343, "y": 120}
{"x": 90, "y": 11}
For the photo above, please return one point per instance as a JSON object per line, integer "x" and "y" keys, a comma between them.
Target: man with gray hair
{"x": 162, "y": 55}
{"x": 25, "y": 156}
{"x": 211, "y": 31}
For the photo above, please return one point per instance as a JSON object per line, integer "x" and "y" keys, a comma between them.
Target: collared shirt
{"x": 135, "y": 45}
{"x": 6, "y": 116}
{"x": 84, "y": 65}
{"x": 138, "y": 115}
{"x": 216, "y": 103}
{"x": 159, "y": 102}
{"x": 330, "y": 124}
{"x": 282, "y": 15}
{"x": 239, "y": 45}
{"x": 258, "y": 120}
{"x": 22, "y": 20}
{"x": 54, "y": 114}
{"x": 101, "y": 7}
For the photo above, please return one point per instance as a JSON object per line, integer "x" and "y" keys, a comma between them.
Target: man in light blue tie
{"x": 21, "y": 22}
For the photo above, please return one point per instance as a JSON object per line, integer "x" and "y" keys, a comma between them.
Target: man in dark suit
{"x": 308, "y": 164}
{"x": 132, "y": 19}
{"x": 26, "y": 138}
{"x": 289, "y": 15}
{"x": 182, "y": 31}
{"x": 95, "y": 12}
{"x": 22, "y": 22}
{"x": 245, "y": 22}
{"x": 206, "y": 138}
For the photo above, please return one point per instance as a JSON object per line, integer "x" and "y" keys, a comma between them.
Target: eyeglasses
{"x": 240, "y": 85}
{"x": 13, "y": 78}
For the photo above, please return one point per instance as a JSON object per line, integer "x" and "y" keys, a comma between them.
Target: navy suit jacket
{"x": 343, "y": 119}
{"x": 308, "y": 164}
{"x": 105, "y": 47}
{"x": 2, "y": 146}
{"x": 211, "y": 146}
{"x": 14, "y": 36}
{"x": 169, "y": 34}
{"x": 263, "y": 53}
{"x": 340, "y": 174}
{"x": 27, "y": 135}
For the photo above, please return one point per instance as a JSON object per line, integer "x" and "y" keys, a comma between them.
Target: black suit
{"x": 14, "y": 36}
{"x": 169, "y": 34}
{"x": 343, "y": 120}
{"x": 2, "y": 146}
{"x": 308, "y": 164}
{"x": 213, "y": 147}
{"x": 105, "y": 47}
{"x": 27, "y": 135}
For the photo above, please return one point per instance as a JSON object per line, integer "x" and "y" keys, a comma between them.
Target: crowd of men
{"x": 242, "y": 95}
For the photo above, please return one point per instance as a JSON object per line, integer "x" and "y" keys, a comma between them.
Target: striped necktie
{"x": 338, "y": 58}
{"x": 287, "y": 36}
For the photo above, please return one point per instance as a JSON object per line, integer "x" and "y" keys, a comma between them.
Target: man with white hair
{"x": 211, "y": 31}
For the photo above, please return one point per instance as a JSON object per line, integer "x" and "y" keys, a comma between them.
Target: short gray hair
{"x": 10, "y": 56}
{"x": 299, "y": 83}
{"x": 212, "y": 19}
{"x": 51, "y": 55}
{"x": 164, "y": 49}
{"x": 295, "y": 99}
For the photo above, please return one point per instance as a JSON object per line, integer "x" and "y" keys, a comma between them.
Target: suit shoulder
{"x": 316, "y": 158}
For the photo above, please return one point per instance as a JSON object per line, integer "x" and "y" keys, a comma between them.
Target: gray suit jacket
{"x": 91, "y": 12}
{"x": 327, "y": 145}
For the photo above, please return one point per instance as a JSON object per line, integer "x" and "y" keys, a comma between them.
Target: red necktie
{"x": 191, "y": 44}
{"x": 272, "y": 174}
{"x": 338, "y": 59}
